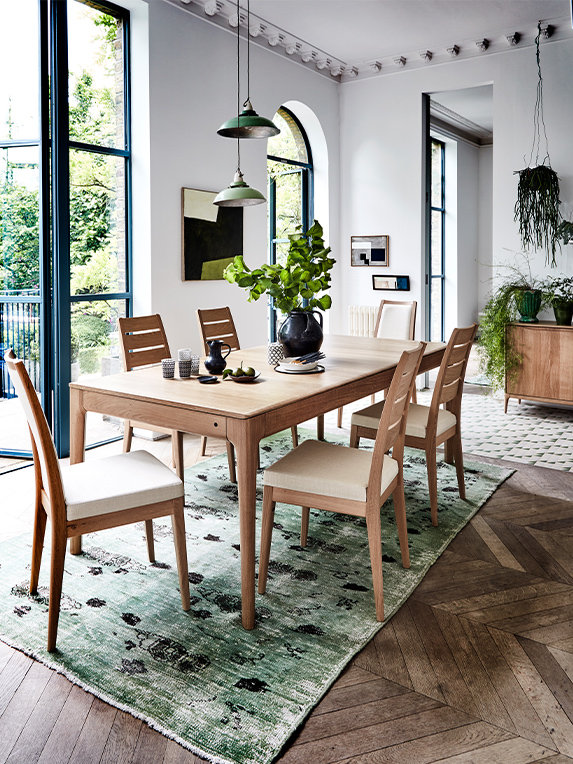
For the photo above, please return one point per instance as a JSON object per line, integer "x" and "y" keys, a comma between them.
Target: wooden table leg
{"x": 177, "y": 453}
{"x": 77, "y": 446}
{"x": 245, "y": 435}
{"x": 320, "y": 427}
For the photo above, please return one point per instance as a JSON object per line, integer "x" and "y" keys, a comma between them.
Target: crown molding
{"x": 460, "y": 126}
{"x": 223, "y": 13}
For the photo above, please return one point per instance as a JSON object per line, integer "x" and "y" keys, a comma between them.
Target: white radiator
{"x": 361, "y": 320}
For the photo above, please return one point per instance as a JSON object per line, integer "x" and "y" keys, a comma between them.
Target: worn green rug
{"x": 225, "y": 693}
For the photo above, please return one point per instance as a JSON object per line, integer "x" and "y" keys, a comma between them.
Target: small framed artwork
{"x": 211, "y": 236}
{"x": 392, "y": 283}
{"x": 369, "y": 250}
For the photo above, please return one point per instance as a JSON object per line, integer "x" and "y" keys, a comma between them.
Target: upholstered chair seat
{"x": 416, "y": 424}
{"x": 328, "y": 470}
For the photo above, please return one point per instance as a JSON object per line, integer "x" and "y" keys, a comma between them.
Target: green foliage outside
{"x": 299, "y": 282}
{"x": 93, "y": 239}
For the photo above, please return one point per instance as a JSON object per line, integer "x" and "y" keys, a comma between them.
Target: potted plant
{"x": 296, "y": 285}
{"x": 516, "y": 298}
{"x": 565, "y": 231}
{"x": 559, "y": 293}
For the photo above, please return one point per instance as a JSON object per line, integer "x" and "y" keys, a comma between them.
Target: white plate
{"x": 288, "y": 365}
{"x": 317, "y": 370}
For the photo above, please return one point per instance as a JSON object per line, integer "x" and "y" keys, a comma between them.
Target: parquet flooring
{"x": 477, "y": 666}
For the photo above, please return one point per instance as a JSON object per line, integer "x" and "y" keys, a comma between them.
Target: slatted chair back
{"x": 217, "y": 324}
{"x": 392, "y": 427}
{"x": 143, "y": 341}
{"x": 450, "y": 382}
{"x": 46, "y": 464}
{"x": 396, "y": 319}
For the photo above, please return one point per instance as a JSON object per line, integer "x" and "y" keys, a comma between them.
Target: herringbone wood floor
{"x": 476, "y": 667}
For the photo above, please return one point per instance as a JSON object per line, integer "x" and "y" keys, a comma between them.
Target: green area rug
{"x": 199, "y": 677}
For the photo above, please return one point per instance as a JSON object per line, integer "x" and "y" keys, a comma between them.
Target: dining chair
{"x": 218, "y": 324}
{"x": 92, "y": 496}
{"x": 349, "y": 481}
{"x": 395, "y": 320}
{"x": 143, "y": 342}
{"x": 427, "y": 427}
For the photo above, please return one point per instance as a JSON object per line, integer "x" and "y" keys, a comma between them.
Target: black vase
{"x": 300, "y": 333}
{"x": 563, "y": 313}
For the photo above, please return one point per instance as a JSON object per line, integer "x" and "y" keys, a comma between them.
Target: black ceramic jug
{"x": 301, "y": 333}
{"x": 215, "y": 361}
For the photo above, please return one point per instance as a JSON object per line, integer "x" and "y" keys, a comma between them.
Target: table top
{"x": 348, "y": 359}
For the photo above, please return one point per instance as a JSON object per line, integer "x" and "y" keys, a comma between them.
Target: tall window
{"x": 290, "y": 194}
{"x": 64, "y": 199}
{"x": 437, "y": 243}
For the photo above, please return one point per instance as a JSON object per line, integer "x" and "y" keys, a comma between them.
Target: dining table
{"x": 353, "y": 368}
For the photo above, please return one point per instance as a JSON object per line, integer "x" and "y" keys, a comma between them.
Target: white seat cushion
{"x": 328, "y": 470}
{"x": 395, "y": 322}
{"x": 416, "y": 423}
{"x": 115, "y": 483}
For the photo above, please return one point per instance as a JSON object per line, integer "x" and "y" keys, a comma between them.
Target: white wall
{"x": 485, "y": 224}
{"x": 381, "y": 158}
{"x": 192, "y": 92}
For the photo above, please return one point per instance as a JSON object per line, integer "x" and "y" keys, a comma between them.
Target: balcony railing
{"x": 20, "y": 330}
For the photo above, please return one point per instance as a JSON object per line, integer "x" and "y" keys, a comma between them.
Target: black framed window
{"x": 437, "y": 271}
{"x": 65, "y": 189}
{"x": 290, "y": 189}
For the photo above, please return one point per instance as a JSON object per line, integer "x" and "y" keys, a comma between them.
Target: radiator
{"x": 361, "y": 320}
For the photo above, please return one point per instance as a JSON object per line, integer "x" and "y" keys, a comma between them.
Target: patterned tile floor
{"x": 528, "y": 433}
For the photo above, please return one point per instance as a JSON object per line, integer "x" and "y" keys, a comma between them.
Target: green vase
{"x": 563, "y": 313}
{"x": 528, "y": 304}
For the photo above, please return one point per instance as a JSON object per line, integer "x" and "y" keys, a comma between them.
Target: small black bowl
{"x": 207, "y": 380}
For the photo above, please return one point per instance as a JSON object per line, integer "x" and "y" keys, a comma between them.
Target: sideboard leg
{"x": 505, "y": 404}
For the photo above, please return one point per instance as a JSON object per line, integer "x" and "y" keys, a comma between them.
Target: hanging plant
{"x": 537, "y": 206}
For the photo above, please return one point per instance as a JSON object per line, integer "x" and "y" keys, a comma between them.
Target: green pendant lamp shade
{"x": 238, "y": 194}
{"x": 248, "y": 125}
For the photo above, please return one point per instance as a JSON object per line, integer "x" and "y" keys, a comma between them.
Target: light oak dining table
{"x": 355, "y": 367}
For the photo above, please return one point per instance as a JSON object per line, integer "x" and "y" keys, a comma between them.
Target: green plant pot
{"x": 563, "y": 313}
{"x": 528, "y": 303}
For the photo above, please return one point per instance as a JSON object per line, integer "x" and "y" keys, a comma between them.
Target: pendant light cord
{"x": 238, "y": 83}
{"x": 248, "y": 52}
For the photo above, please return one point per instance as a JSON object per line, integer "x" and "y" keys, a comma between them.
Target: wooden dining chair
{"x": 92, "y": 496}
{"x": 395, "y": 320}
{"x": 427, "y": 427}
{"x": 341, "y": 479}
{"x": 144, "y": 342}
{"x": 218, "y": 324}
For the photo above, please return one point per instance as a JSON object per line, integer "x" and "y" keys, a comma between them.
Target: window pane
{"x": 281, "y": 251}
{"x": 19, "y": 214}
{"x": 96, "y": 353}
{"x": 19, "y": 63}
{"x": 97, "y": 223}
{"x": 289, "y": 143}
{"x": 436, "y": 243}
{"x": 288, "y": 202}
{"x": 436, "y": 311}
{"x": 95, "y": 76}
{"x": 437, "y": 174}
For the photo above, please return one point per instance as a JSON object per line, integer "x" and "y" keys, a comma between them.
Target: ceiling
{"x": 354, "y": 31}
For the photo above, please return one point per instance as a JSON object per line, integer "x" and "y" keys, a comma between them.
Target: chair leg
{"x": 178, "y": 523}
{"x": 304, "y": 526}
{"x": 127, "y": 436}
{"x": 375, "y": 544}
{"x": 37, "y": 546}
{"x": 432, "y": 481}
{"x": 203, "y": 448}
{"x": 339, "y": 417}
{"x": 231, "y": 461}
{"x": 294, "y": 434}
{"x": 459, "y": 462}
{"x": 373, "y": 397}
{"x": 401, "y": 522}
{"x": 354, "y": 438}
{"x": 266, "y": 536}
{"x": 150, "y": 540}
{"x": 56, "y": 577}
{"x": 320, "y": 427}
{"x": 414, "y": 398}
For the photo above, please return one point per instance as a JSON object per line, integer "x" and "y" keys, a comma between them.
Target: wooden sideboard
{"x": 546, "y": 370}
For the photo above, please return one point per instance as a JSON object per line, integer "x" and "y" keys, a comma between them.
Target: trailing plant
{"x": 297, "y": 283}
{"x": 565, "y": 231}
{"x": 537, "y": 206}
{"x": 497, "y": 357}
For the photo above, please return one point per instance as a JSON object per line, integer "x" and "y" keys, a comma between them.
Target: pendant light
{"x": 247, "y": 124}
{"x": 238, "y": 193}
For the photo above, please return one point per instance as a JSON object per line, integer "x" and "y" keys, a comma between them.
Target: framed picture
{"x": 211, "y": 236}
{"x": 392, "y": 283}
{"x": 369, "y": 250}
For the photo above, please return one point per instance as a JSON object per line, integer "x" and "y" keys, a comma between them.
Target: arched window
{"x": 290, "y": 179}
